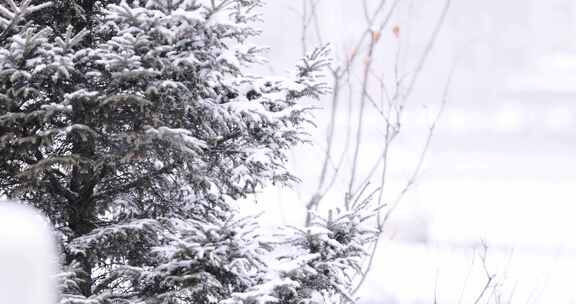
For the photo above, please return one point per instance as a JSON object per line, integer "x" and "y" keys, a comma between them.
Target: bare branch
{"x": 489, "y": 277}
{"x": 360, "y": 122}
{"x": 431, "y": 131}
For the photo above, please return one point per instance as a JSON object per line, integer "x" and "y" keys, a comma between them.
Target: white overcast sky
{"x": 502, "y": 165}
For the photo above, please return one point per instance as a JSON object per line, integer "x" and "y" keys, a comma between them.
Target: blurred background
{"x": 494, "y": 202}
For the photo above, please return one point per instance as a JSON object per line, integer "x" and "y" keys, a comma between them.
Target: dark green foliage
{"x": 129, "y": 124}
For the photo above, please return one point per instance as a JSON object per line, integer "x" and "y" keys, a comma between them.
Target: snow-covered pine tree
{"x": 318, "y": 264}
{"x": 130, "y": 124}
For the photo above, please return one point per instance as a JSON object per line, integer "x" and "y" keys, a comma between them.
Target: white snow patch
{"x": 27, "y": 256}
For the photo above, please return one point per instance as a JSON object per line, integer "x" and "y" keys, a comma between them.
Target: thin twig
{"x": 489, "y": 277}
{"x": 429, "y": 46}
{"x": 467, "y": 276}
{"x": 431, "y": 131}
{"x": 360, "y": 122}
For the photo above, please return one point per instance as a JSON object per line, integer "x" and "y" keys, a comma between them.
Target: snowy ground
{"x": 501, "y": 168}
